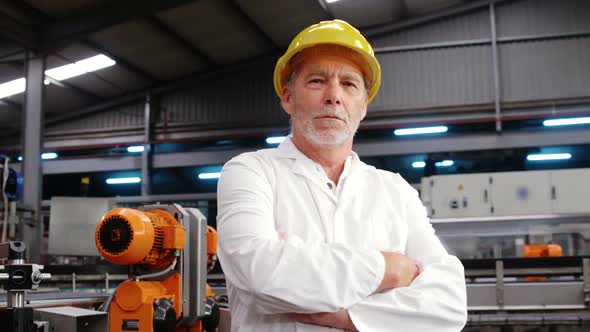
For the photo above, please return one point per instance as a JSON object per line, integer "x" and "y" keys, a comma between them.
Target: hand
{"x": 400, "y": 271}
{"x": 340, "y": 319}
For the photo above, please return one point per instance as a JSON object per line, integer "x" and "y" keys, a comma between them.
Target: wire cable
{"x": 105, "y": 307}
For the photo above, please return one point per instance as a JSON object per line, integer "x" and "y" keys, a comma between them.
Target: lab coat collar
{"x": 304, "y": 166}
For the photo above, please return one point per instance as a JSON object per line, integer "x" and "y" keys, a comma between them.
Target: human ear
{"x": 286, "y": 100}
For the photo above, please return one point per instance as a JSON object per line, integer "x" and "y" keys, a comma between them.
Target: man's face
{"x": 326, "y": 99}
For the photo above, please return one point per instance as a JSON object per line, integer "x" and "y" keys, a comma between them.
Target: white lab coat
{"x": 288, "y": 243}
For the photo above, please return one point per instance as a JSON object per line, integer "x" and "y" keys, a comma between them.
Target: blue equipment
{"x": 14, "y": 182}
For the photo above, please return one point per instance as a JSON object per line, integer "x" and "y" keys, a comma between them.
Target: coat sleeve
{"x": 435, "y": 301}
{"x": 283, "y": 275}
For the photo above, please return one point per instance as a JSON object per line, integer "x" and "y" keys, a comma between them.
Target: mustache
{"x": 341, "y": 115}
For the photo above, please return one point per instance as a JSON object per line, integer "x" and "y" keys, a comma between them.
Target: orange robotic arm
{"x": 168, "y": 257}
{"x": 149, "y": 238}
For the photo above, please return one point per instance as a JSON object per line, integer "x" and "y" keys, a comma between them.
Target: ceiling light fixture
{"x": 209, "y": 176}
{"x": 444, "y": 163}
{"x": 566, "y": 121}
{"x": 59, "y": 73}
{"x": 420, "y": 130}
{"x": 135, "y": 148}
{"x": 123, "y": 180}
{"x": 81, "y": 67}
{"x": 548, "y": 156}
{"x": 419, "y": 164}
{"x": 275, "y": 139}
{"x": 12, "y": 88}
{"x": 48, "y": 155}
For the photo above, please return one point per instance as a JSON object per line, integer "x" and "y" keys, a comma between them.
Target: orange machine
{"x": 541, "y": 250}
{"x": 168, "y": 249}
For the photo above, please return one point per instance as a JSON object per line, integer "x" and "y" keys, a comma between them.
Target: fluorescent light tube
{"x": 566, "y": 121}
{"x": 275, "y": 139}
{"x": 548, "y": 156}
{"x": 420, "y": 130}
{"x": 81, "y": 67}
{"x": 135, "y": 148}
{"x": 419, "y": 164}
{"x": 48, "y": 155}
{"x": 444, "y": 163}
{"x": 209, "y": 176}
{"x": 59, "y": 73}
{"x": 13, "y": 87}
{"x": 123, "y": 180}
{"x": 65, "y": 72}
{"x": 96, "y": 62}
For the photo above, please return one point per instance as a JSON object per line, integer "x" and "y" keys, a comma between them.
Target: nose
{"x": 333, "y": 94}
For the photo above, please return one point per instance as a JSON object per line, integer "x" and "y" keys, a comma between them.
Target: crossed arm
{"x": 400, "y": 271}
{"x": 384, "y": 290}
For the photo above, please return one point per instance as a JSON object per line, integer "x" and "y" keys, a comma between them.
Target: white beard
{"x": 335, "y": 135}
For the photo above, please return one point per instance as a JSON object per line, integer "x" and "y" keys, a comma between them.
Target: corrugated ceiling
{"x": 157, "y": 42}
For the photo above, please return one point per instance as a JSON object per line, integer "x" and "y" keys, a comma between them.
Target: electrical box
{"x": 457, "y": 196}
{"x": 73, "y": 319}
{"x": 570, "y": 191}
{"x": 72, "y": 223}
{"x": 519, "y": 193}
{"x": 507, "y": 193}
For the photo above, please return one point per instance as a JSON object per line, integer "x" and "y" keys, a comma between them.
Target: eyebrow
{"x": 352, "y": 77}
{"x": 346, "y": 75}
{"x": 316, "y": 72}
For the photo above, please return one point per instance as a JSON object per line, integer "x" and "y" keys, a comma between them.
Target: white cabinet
{"x": 507, "y": 193}
{"x": 458, "y": 196}
{"x": 570, "y": 191}
{"x": 518, "y": 193}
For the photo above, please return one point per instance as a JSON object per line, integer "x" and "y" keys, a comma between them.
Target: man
{"x": 310, "y": 237}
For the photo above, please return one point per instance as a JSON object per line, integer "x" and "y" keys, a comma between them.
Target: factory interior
{"x": 116, "y": 118}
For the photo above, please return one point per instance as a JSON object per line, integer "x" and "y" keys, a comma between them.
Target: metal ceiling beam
{"x": 134, "y": 97}
{"x": 475, "y": 142}
{"x": 77, "y": 28}
{"x": 178, "y": 39}
{"x": 16, "y": 55}
{"x": 12, "y": 104}
{"x": 35, "y": 15}
{"x": 166, "y": 86}
{"x": 92, "y": 73}
{"x": 80, "y": 25}
{"x": 253, "y": 24}
{"x": 451, "y": 11}
{"x": 162, "y": 87}
{"x": 79, "y": 91}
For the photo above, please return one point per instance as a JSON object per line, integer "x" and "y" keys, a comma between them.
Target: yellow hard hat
{"x": 336, "y": 32}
